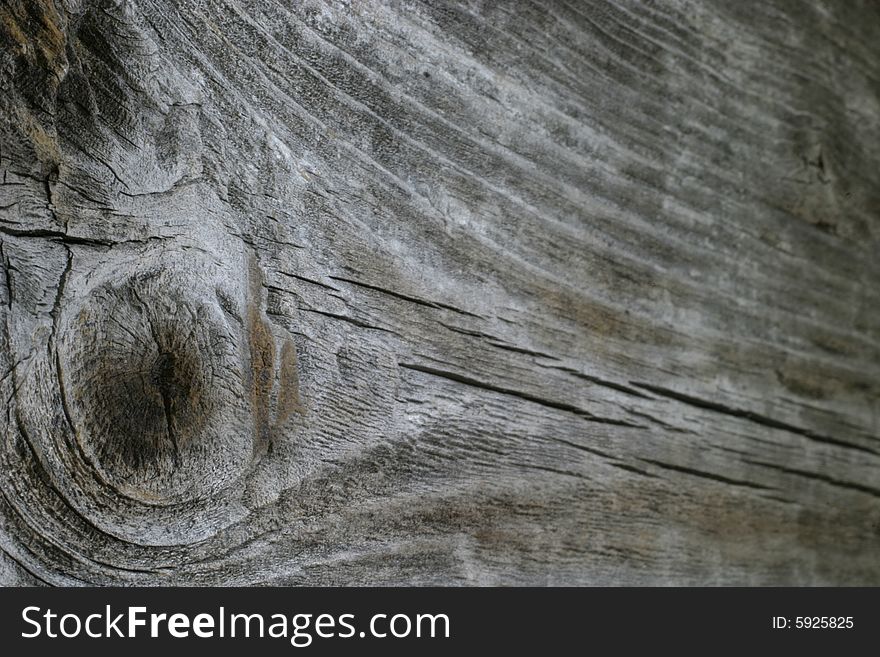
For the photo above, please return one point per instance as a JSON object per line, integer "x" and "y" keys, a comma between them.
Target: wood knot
{"x": 154, "y": 379}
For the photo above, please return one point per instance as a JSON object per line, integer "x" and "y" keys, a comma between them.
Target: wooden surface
{"x": 440, "y": 293}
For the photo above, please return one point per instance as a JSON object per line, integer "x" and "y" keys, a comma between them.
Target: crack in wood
{"x": 706, "y": 475}
{"x": 818, "y": 476}
{"x": 405, "y": 297}
{"x": 349, "y": 320}
{"x": 619, "y": 387}
{"x": 757, "y": 418}
{"x": 466, "y": 380}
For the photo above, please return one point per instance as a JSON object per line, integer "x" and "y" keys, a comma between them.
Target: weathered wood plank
{"x": 452, "y": 293}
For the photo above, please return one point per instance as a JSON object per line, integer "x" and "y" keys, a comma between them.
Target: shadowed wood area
{"x": 540, "y": 292}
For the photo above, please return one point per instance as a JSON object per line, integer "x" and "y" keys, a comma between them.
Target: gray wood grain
{"x": 540, "y": 292}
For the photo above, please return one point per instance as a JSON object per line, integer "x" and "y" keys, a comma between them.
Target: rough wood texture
{"x": 440, "y": 293}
